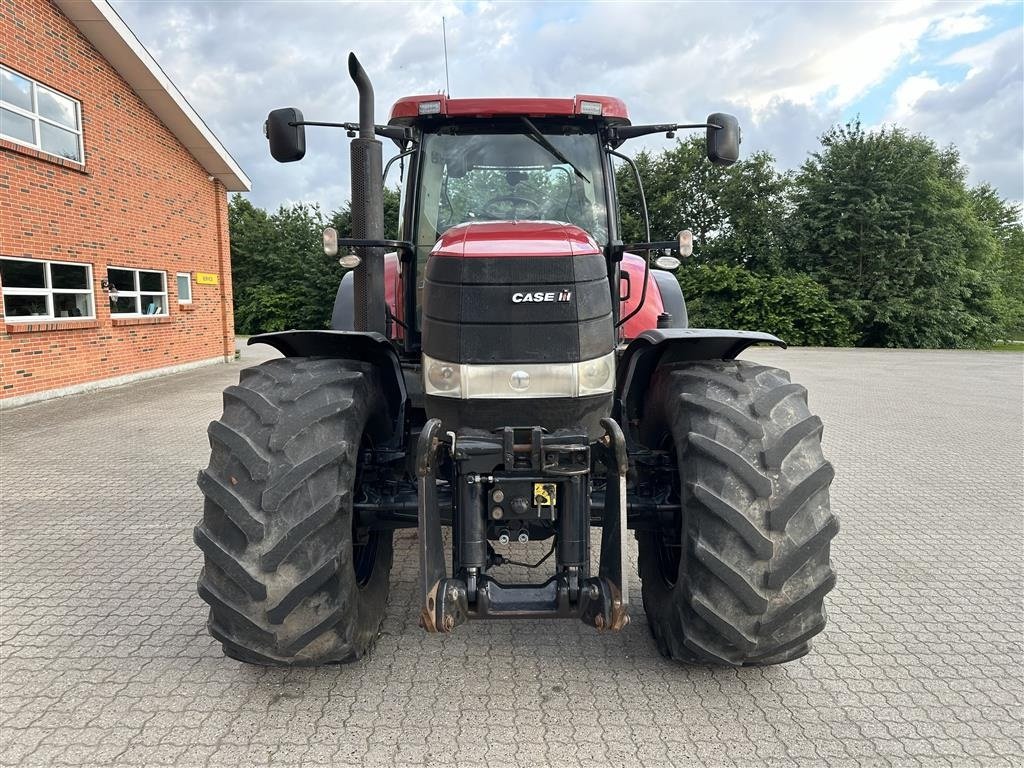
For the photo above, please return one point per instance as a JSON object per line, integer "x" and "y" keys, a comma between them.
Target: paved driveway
{"x": 104, "y": 657}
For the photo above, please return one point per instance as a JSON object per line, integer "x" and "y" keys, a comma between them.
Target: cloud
{"x": 788, "y": 70}
{"x": 979, "y": 56}
{"x": 908, "y": 92}
{"x": 787, "y": 130}
{"x": 960, "y": 24}
{"x": 981, "y": 115}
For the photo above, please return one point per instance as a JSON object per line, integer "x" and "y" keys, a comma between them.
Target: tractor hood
{"x": 497, "y": 239}
{"x": 517, "y": 324}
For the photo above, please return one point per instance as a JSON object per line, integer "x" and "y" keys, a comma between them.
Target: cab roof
{"x": 414, "y": 109}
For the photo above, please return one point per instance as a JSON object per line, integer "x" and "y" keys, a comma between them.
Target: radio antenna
{"x": 444, "y": 37}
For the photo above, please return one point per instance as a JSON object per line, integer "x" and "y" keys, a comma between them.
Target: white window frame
{"x": 138, "y": 294}
{"x": 177, "y": 285}
{"x": 48, "y": 292}
{"x": 36, "y": 119}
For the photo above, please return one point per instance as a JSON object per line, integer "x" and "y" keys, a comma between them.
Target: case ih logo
{"x": 539, "y": 296}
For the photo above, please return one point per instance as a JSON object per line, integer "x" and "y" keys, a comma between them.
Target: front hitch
{"x": 614, "y": 555}
{"x": 443, "y": 603}
{"x": 602, "y": 601}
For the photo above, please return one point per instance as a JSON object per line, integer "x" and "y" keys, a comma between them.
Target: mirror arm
{"x": 647, "y": 233}
{"x": 325, "y": 125}
{"x": 661, "y": 245}
{"x": 617, "y": 134}
{"x": 396, "y": 133}
{"x": 393, "y": 132}
{"x": 400, "y": 245}
{"x": 640, "y": 188}
{"x": 399, "y": 156}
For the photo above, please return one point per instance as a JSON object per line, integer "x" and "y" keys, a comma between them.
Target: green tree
{"x": 793, "y": 307}
{"x": 738, "y": 276}
{"x": 1003, "y": 220}
{"x": 631, "y": 227}
{"x": 341, "y": 219}
{"x": 884, "y": 221}
{"x": 737, "y": 213}
{"x": 280, "y": 275}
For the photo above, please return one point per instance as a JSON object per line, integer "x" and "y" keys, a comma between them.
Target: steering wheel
{"x": 505, "y": 205}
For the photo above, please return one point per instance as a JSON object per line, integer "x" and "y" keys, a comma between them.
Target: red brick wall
{"x": 140, "y": 200}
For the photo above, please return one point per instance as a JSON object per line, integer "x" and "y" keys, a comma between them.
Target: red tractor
{"x": 512, "y": 370}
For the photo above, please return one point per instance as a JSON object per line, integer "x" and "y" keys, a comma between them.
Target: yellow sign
{"x": 544, "y": 494}
{"x": 207, "y": 278}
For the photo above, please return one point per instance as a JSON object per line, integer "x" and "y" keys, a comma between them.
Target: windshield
{"x": 509, "y": 175}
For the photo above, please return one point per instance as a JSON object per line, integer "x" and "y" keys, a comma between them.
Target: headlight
{"x": 596, "y": 375}
{"x": 520, "y": 380}
{"x": 444, "y": 378}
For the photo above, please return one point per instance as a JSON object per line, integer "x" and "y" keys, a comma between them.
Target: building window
{"x": 184, "y": 287}
{"x": 46, "y": 290}
{"x": 39, "y": 117}
{"x": 137, "y": 291}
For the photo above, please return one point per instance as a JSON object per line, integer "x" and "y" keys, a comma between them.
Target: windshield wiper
{"x": 541, "y": 139}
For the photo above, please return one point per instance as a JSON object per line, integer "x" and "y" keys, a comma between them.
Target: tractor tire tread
{"x": 236, "y": 508}
{"x": 276, "y": 532}
{"x": 759, "y": 482}
{"x": 756, "y": 527}
{"x": 735, "y": 415}
{"x": 296, "y": 476}
{"x": 267, "y": 412}
{"x": 234, "y": 569}
{"x": 242, "y": 448}
{"x": 278, "y": 550}
{"x": 759, "y": 543}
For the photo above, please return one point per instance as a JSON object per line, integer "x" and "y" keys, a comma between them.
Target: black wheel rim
{"x": 364, "y": 558}
{"x": 669, "y": 556}
{"x": 670, "y": 549}
{"x": 364, "y": 555}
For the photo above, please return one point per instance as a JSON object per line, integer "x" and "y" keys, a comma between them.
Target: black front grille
{"x": 470, "y": 314}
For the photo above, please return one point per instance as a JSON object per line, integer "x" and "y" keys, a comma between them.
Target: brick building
{"x": 114, "y": 257}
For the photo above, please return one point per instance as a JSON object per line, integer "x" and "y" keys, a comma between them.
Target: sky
{"x": 953, "y": 71}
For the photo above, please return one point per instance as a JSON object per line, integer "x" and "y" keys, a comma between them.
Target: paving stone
{"x": 105, "y": 658}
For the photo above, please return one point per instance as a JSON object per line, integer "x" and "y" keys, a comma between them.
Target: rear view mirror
{"x": 723, "y": 141}
{"x": 286, "y": 135}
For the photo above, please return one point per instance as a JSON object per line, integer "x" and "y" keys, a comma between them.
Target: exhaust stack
{"x": 367, "y": 208}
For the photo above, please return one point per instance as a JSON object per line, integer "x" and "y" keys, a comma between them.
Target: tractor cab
{"x": 510, "y": 159}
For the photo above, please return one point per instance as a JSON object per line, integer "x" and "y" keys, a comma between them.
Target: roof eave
{"x": 102, "y": 27}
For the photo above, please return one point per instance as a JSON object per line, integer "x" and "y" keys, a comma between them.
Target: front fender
{"x": 343, "y": 316}
{"x": 672, "y": 345}
{"x": 366, "y": 346}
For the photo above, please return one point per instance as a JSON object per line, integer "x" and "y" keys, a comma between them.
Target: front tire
{"x": 285, "y": 580}
{"x": 740, "y": 580}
